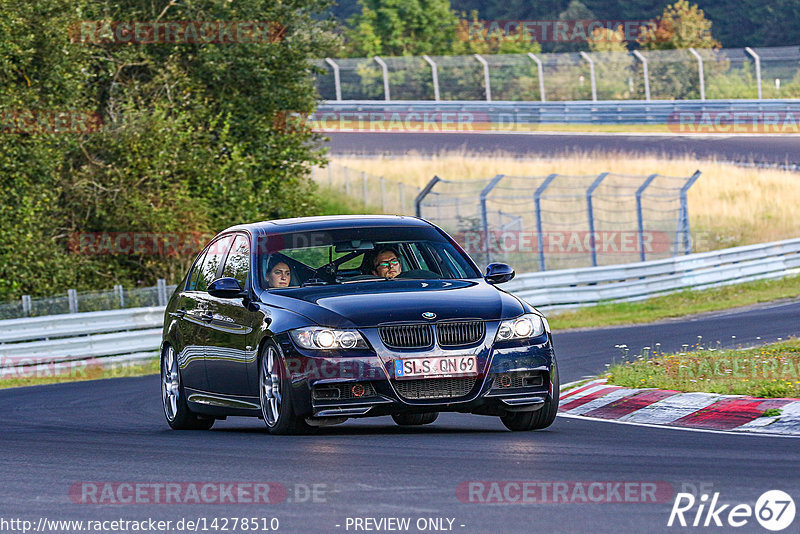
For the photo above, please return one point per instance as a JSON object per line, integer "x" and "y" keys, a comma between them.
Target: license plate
{"x": 438, "y": 367}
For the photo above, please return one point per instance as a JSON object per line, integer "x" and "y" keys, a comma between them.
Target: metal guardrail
{"x": 136, "y": 333}
{"x": 423, "y": 116}
{"x": 638, "y": 281}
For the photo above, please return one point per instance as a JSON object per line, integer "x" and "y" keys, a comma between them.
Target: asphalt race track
{"x": 114, "y": 431}
{"x": 760, "y": 149}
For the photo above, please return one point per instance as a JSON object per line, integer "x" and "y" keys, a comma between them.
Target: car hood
{"x": 371, "y": 303}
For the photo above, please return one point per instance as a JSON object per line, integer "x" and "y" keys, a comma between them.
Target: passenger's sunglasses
{"x": 386, "y": 264}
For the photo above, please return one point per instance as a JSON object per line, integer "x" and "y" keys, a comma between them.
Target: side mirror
{"x": 497, "y": 273}
{"x": 226, "y": 288}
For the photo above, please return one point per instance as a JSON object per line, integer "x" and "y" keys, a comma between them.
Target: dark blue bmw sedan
{"x": 308, "y": 322}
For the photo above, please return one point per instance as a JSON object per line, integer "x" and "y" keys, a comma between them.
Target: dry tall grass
{"x": 728, "y": 206}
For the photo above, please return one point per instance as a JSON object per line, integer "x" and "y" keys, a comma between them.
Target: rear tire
{"x": 541, "y": 418}
{"x": 173, "y": 398}
{"x": 415, "y": 419}
{"x": 276, "y": 394}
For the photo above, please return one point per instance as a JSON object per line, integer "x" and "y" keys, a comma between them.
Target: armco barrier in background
{"x": 136, "y": 333}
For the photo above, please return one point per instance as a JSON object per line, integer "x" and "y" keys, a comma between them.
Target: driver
{"x": 386, "y": 263}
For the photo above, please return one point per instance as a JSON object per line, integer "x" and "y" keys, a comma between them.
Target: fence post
{"x": 337, "y": 82}
{"x": 640, "y": 215}
{"x": 330, "y": 175}
{"x": 540, "y": 72}
{"x": 687, "y": 242}
{"x": 385, "y": 70}
{"x": 120, "y": 293}
{"x": 585, "y": 56}
{"x": 590, "y": 213}
{"x": 758, "y": 68}
{"x": 435, "y": 75}
{"x": 422, "y": 194}
{"x": 161, "y": 288}
{"x": 72, "y": 297}
{"x": 645, "y": 73}
{"x": 700, "y": 73}
{"x": 26, "y": 305}
{"x": 537, "y": 201}
{"x": 485, "y": 214}
{"x": 402, "y": 197}
{"x": 364, "y": 186}
{"x": 486, "y": 79}
{"x": 383, "y": 195}
{"x": 346, "y": 182}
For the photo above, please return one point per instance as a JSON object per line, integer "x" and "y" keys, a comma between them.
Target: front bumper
{"x": 512, "y": 378}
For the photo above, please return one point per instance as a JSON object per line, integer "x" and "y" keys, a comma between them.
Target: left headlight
{"x": 321, "y": 338}
{"x": 523, "y": 327}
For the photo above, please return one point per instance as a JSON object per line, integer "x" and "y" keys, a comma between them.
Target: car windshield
{"x": 357, "y": 255}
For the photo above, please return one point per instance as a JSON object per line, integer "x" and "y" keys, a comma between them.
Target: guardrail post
{"x": 585, "y": 56}
{"x": 72, "y": 298}
{"x": 385, "y": 70}
{"x": 161, "y": 288}
{"x": 26, "y": 305}
{"x": 684, "y": 213}
{"x": 485, "y": 214}
{"x": 590, "y": 213}
{"x": 337, "y": 82}
{"x": 645, "y": 73}
{"x": 422, "y": 194}
{"x": 486, "y": 78}
{"x": 537, "y": 201}
{"x": 700, "y": 73}
{"x": 120, "y": 293}
{"x": 758, "y": 68}
{"x": 540, "y": 72}
{"x": 364, "y": 186}
{"x": 435, "y": 75}
{"x": 383, "y": 195}
{"x": 640, "y": 215}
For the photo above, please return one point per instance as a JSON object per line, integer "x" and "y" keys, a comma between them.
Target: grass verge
{"x": 19, "y": 377}
{"x": 677, "y": 304}
{"x": 771, "y": 371}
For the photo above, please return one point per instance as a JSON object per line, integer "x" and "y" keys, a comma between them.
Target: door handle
{"x": 207, "y": 317}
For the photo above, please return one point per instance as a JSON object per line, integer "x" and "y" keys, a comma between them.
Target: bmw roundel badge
{"x": 429, "y": 315}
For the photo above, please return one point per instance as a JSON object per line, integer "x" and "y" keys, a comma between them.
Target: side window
{"x": 238, "y": 263}
{"x": 208, "y": 272}
{"x": 196, "y": 272}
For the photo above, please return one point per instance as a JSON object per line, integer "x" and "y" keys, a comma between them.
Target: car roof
{"x": 327, "y": 222}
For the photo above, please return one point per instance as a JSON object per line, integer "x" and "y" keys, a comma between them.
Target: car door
{"x": 190, "y": 331}
{"x": 231, "y": 346}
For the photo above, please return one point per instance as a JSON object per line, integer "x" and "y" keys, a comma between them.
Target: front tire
{"x": 541, "y": 418}
{"x": 173, "y": 398}
{"x": 415, "y": 419}
{"x": 276, "y": 394}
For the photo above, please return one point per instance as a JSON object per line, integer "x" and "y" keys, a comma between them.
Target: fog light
{"x": 358, "y": 390}
{"x": 505, "y": 381}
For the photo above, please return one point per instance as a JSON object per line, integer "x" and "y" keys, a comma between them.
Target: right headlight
{"x": 523, "y": 327}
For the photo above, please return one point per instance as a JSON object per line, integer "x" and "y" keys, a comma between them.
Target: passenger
{"x": 279, "y": 274}
{"x": 386, "y": 262}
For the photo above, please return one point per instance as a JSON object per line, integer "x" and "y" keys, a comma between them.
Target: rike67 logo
{"x": 774, "y": 510}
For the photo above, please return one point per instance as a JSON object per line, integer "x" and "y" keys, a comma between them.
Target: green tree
{"x": 189, "y": 143}
{"x": 402, "y": 28}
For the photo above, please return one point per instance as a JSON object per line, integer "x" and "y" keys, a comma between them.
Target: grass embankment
{"x": 728, "y": 206}
{"x": 12, "y": 377}
{"x": 770, "y": 371}
{"x": 677, "y": 304}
